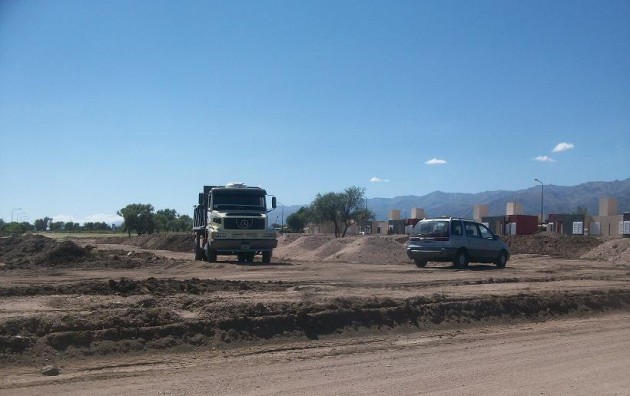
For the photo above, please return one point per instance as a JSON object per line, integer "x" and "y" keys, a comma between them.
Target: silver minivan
{"x": 458, "y": 240}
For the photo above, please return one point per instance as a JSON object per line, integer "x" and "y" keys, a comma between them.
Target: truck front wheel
{"x": 266, "y": 257}
{"x": 211, "y": 254}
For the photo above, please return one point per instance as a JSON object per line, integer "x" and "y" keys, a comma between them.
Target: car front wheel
{"x": 461, "y": 259}
{"x": 501, "y": 261}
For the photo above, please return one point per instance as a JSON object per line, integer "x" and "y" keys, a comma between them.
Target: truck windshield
{"x": 238, "y": 201}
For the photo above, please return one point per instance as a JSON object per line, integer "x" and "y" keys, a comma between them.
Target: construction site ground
{"x": 353, "y": 315}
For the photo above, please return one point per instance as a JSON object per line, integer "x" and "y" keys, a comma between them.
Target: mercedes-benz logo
{"x": 244, "y": 224}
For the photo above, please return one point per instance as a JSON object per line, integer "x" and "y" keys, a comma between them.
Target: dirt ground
{"x": 111, "y": 303}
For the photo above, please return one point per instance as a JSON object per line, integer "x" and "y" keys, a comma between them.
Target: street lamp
{"x": 542, "y": 192}
{"x": 12, "y": 211}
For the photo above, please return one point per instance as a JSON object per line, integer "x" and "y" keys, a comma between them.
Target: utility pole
{"x": 13, "y": 211}
{"x": 542, "y": 194}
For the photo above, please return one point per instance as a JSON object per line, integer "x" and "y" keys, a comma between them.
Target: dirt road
{"x": 573, "y": 356}
{"x": 122, "y": 319}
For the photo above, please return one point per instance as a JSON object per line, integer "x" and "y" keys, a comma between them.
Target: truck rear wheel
{"x": 198, "y": 250}
{"x": 266, "y": 257}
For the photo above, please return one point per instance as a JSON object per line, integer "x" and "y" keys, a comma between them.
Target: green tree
{"x": 327, "y": 207}
{"x": 342, "y": 209}
{"x": 353, "y": 210}
{"x": 298, "y": 220}
{"x": 71, "y": 226}
{"x": 165, "y": 219}
{"x": 138, "y": 217}
{"x": 184, "y": 223}
{"x": 42, "y": 224}
{"x": 16, "y": 228}
{"x": 56, "y": 226}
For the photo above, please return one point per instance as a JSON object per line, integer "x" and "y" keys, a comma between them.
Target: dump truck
{"x": 233, "y": 220}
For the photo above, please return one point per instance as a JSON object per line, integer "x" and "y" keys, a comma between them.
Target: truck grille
{"x": 243, "y": 223}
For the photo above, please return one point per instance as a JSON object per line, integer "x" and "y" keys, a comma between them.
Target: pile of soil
{"x": 352, "y": 249}
{"x": 617, "y": 250}
{"x": 175, "y": 242}
{"x": 155, "y": 323}
{"x": 36, "y": 250}
{"x": 552, "y": 244}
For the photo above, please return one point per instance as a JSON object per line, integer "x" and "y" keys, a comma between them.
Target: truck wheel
{"x": 461, "y": 259}
{"x": 420, "y": 263}
{"x": 266, "y": 257}
{"x": 198, "y": 250}
{"x": 211, "y": 255}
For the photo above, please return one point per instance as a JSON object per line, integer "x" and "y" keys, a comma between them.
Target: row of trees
{"x": 46, "y": 224}
{"x": 141, "y": 219}
{"x": 339, "y": 208}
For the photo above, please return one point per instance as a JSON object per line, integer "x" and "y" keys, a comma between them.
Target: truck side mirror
{"x": 273, "y": 202}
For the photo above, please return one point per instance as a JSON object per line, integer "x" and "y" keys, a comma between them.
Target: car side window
{"x": 485, "y": 232}
{"x": 472, "y": 230}
{"x": 456, "y": 228}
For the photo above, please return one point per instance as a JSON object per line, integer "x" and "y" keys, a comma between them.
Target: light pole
{"x": 12, "y": 211}
{"x": 542, "y": 193}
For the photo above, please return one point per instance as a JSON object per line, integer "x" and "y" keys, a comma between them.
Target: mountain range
{"x": 556, "y": 199}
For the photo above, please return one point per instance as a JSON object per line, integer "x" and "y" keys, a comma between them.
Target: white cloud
{"x": 435, "y": 161}
{"x": 95, "y": 218}
{"x": 100, "y": 217}
{"x": 378, "y": 180}
{"x": 544, "y": 158}
{"x": 562, "y": 147}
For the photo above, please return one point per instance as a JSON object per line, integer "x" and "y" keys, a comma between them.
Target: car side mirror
{"x": 495, "y": 237}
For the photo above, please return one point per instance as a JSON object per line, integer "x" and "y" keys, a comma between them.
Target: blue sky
{"x": 103, "y": 104}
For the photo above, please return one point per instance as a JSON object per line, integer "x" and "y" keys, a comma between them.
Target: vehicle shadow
{"x": 471, "y": 267}
{"x": 255, "y": 263}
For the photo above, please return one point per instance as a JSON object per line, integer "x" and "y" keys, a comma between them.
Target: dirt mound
{"x": 151, "y": 286}
{"x": 157, "y": 324}
{"x": 353, "y": 249}
{"x": 616, "y": 250}
{"x": 551, "y": 244}
{"x": 36, "y": 250}
{"x": 378, "y": 249}
{"x": 175, "y": 242}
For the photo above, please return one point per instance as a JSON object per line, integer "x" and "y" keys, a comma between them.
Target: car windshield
{"x": 431, "y": 229}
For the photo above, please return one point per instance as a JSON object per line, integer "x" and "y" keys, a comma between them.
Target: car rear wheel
{"x": 461, "y": 259}
{"x": 501, "y": 261}
{"x": 420, "y": 263}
